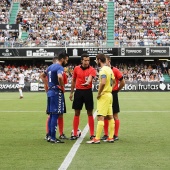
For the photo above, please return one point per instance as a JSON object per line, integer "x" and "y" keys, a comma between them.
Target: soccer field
{"x": 144, "y": 135}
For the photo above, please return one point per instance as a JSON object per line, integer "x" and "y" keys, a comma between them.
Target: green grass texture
{"x": 144, "y": 136}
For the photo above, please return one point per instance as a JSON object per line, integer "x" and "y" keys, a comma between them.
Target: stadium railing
{"x": 81, "y": 43}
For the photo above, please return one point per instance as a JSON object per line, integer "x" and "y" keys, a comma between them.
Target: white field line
{"x": 68, "y": 159}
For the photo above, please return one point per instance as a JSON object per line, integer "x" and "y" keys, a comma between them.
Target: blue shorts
{"x": 48, "y": 110}
{"x": 55, "y": 103}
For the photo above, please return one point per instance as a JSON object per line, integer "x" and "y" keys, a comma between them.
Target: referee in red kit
{"x": 82, "y": 81}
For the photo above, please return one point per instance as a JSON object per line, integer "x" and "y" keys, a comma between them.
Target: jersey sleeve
{"x": 102, "y": 73}
{"x": 60, "y": 70}
{"x": 65, "y": 78}
{"x": 118, "y": 75}
{"x": 93, "y": 72}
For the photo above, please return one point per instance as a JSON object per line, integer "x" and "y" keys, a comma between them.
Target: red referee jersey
{"x": 81, "y": 75}
{"x": 65, "y": 78}
{"x": 118, "y": 75}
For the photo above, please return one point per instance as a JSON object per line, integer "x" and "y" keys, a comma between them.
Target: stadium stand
{"x": 4, "y": 11}
{"x": 142, "y": 22}
{"x": 76, "y": 21}
{"x": 95, "y": 23}
{"x": 132, "y": 72}
{"x": 110, "y": 24}
{"x": 14, "y": 12}
{"x": 166, "y": 77}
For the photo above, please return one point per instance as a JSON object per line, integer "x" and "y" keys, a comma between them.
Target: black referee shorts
{"x": 83, "y": 97}
{"x": 115, "y": 104}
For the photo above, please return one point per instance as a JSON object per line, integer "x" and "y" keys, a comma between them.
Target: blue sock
{"x": 54, "y": 118}
{"x": 49, "y": 126}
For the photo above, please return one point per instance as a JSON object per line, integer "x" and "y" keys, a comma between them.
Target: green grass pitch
{"x": 144, "y": 135}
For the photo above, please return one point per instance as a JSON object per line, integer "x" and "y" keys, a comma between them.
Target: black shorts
{"x": 81, "y": 97}
{"x": 115, "y": 104}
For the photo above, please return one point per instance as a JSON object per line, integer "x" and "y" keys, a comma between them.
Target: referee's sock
{"x": 117, "y": 124}
{"x": 106, "y": 126}
{"x": 60, "y": 125}
{"x": 76, "y": 121}
{"x": 91, "y": 125}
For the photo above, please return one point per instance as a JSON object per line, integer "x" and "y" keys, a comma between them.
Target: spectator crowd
{"x": 142, "y": 22}
{"x": 4, "y": 11}
{"x": 131, "y": 72}
{"x": 60, "y": 20}
{"x": 67, "y": 22}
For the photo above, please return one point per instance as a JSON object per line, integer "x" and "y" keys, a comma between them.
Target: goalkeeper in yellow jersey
{"x": 104, "y": 100}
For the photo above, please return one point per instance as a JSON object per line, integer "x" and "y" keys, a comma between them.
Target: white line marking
{"x": 68, "y": 159}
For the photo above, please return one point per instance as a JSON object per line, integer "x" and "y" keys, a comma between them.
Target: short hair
{"x": 55, "y": 58}
{"x": 66, "y": 54}
{"x": 84, "y": 55}
{"x": 108, "y": 57}
{"x": 101, "y": 57}
{"x": 62, "y": 55}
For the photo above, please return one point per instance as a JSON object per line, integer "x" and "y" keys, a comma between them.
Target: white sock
{"x": 20, "y": 92}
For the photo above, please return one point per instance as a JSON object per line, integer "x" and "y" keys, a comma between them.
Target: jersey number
{"x": 49, "y": 76}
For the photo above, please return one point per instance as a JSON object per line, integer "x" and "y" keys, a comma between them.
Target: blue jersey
{"x": 52, "y": 74}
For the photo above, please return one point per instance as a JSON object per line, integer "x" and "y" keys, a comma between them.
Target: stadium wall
{"x": 46, "y": 53}
{"x": 129, "y": 86}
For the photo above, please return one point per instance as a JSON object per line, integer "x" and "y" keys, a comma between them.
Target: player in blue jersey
{"x": 55, "y": 94}
{"x": 60, "y": 123}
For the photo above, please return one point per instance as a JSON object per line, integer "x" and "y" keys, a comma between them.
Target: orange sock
{"x": 117, "y": 124}
{"x": 60, "y": 125}
{"x": 91, "y": 125}
{"x": 106, "y": 125}
{"x": 47, "y": 130}
{"x": 76, "y": 124}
